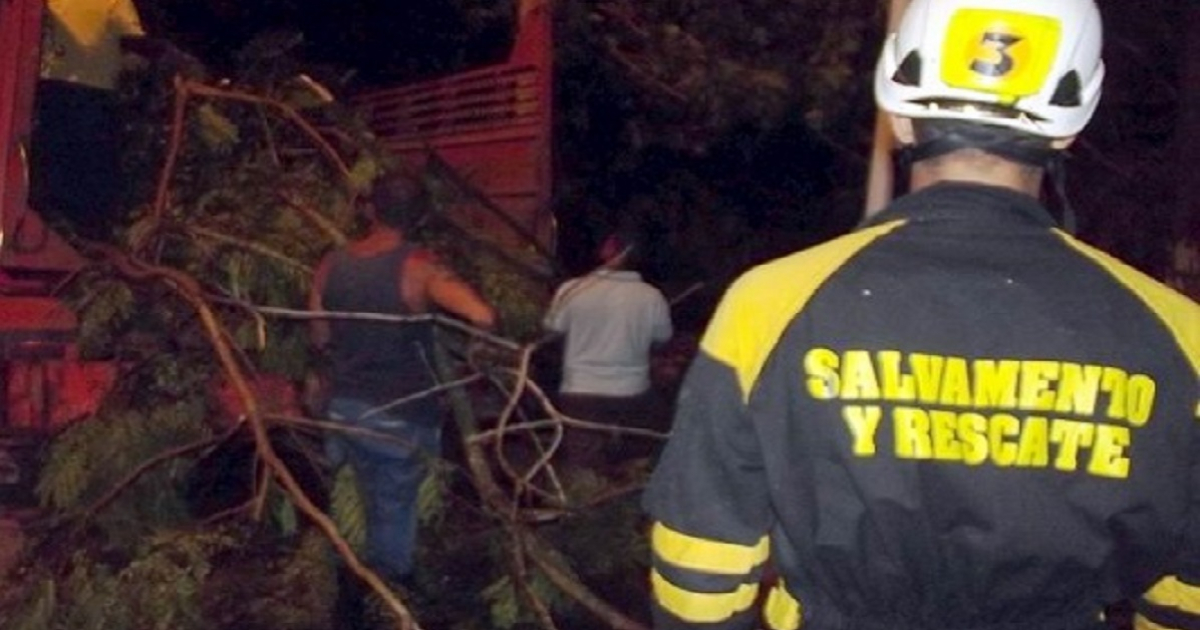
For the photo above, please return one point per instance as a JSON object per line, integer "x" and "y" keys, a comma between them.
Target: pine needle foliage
{"x": 91, "y": 458}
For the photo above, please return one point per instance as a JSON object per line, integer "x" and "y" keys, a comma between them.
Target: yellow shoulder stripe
{"x": 1169, "y": 592}
{"x": 758, "y": 307}
{"x": 1178, "y": 313}
{"x": 695, "y": 607}
{"x": 707, "y": 556}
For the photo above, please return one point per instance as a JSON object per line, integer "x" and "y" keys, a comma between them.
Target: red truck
{"x": 42, "y": 382}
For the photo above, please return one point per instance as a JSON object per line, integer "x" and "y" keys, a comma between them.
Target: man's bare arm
{"x": 449, "y": 292}
{"x": 318, "y": 329}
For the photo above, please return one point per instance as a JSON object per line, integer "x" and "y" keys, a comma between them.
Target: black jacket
{"x": 957, "y": 416}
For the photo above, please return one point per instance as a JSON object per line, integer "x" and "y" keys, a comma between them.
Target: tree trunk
{"x": 1186, "y": 254}
{"x": 880, "y": 179}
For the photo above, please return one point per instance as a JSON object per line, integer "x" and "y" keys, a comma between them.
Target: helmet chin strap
{"x": 1043, "y": 157}
{"x": 1058, "y": 179}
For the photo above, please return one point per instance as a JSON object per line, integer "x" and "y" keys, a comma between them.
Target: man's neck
{"x": 380, "y": 238}
{"x": 984, "y": 170}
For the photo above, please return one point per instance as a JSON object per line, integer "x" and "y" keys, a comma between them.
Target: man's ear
{"x": 1062, "y": 143}
{"x": 902, "y": 128}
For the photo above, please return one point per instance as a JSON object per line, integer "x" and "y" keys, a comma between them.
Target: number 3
{"x": 993, "y": 59}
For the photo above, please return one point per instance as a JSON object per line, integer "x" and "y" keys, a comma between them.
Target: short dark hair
{"x": 629, "y": 242}
{"x": 937, "y": 137}
{"x": 399, "y": 200}
{"x": 926, "y": 129}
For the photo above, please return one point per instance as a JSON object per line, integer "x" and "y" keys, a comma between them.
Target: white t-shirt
{"x": 610, "y": 319}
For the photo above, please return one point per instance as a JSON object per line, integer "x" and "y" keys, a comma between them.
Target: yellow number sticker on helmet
{"x": 1005, "y": 53}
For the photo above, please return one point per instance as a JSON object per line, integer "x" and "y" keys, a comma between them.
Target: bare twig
{"x": 289, "y": 112}
{"x": 251, "y": 246}
{"x": 432, "y": 391}
{"x": 502, "y": 508}
{"x": 335, "y": 235}
{"x": 185, "y": 89}
{"x": 441, "y": 320}
{"x": 163, "y": 189}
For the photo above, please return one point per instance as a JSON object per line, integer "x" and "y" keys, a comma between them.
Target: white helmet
{"x": 1031, "y": 65}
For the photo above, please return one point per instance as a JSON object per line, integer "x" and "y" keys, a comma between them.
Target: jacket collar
{"x": 962, "y": 201}
{"x": 619, "y": 274}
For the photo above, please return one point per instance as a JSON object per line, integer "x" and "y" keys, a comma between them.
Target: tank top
{"x": 375, "y": 361}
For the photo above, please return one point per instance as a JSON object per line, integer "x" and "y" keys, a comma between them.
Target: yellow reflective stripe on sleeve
{"x": 707, "y": 556}
{"x": 758, "y": 307}
{"x": 1170, "y": 592}
{"x": 1179, "y": 314}
{"x": 782, "y": 611}
{"x": 694, "y": 607}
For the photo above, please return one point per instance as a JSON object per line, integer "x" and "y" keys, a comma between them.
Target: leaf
{"x": 364, "y": 171}
{"x": 286, "y": 517}
{"x": 347, "y": 508}
{"x": 431, "y": 495}
{"x": 503, "y": 603}
{"x": 214, "y": 128}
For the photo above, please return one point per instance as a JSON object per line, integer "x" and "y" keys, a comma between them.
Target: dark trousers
{"x": 74, "y": 153}
{"x": 586, "y": 448}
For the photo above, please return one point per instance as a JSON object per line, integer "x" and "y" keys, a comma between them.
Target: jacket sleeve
{"x": 1173, "y": 603}
{"x": 708, "y": 502}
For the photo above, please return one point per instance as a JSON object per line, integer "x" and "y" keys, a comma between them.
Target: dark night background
{"x": 788, "y": 186}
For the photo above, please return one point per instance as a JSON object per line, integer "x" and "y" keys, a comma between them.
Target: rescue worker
{"x": 958, "y": 416}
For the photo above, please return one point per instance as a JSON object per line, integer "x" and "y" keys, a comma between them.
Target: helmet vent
{"x": 909, "y": 70}
{"x": 1068, "y": 93}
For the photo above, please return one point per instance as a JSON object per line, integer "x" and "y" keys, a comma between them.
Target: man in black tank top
{"x": 373, "y": 364}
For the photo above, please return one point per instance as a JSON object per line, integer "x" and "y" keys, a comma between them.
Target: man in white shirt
{"x": 611, "y": 319}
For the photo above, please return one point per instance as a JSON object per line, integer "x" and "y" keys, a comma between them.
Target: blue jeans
{"x": 389, "y": 471}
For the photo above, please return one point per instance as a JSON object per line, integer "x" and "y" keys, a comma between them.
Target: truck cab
{"x": 42, "y": 384}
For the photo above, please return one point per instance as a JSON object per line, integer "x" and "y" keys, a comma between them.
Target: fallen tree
{"x": 198, "y": 496}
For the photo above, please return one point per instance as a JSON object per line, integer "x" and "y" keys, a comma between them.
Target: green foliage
{"x": 157, "y": 590}
{"x": 431, "y": 496}
{"x": 505, "y": 604}
{"x": 90, "y": 458}
{"x": 217, "y": 131}
{"x": 257, "y": 192}
{"x": 346, "y": 508}
{"x": 700, "y": 69}
{"x": 287, "y": 584}
{"x": 184, "y": 580}
{"x": 105, "y": 306}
